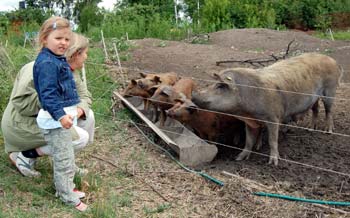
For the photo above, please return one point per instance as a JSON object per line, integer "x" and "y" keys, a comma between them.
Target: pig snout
{"x": 126, "y": 93}
{"x": 141, "y": 84}
{"x": 199, "y": 99}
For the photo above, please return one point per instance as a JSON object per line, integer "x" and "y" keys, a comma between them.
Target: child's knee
{"x": 82, "y": 141}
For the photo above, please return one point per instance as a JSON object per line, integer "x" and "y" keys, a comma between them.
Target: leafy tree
{"x": 4, "y": 24}
{"x": 193, "y": 9}
{"x": 65, "y": 6}
{"x": 216, "y": 15}
{"x": 29, "y": 15}
{"x": 252, "y": 13}
{"x": 87, "y": 14}
{"x": 163, "y": 7}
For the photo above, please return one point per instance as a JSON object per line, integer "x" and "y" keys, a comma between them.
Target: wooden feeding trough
{"x": 191, "y": 149}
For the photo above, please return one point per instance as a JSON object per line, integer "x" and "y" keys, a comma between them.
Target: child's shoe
{"x": 26, "y": 166}
{"x": 79, "y": 193}
{"x": 81, "y": 207}
{"x": 13, "y": 157}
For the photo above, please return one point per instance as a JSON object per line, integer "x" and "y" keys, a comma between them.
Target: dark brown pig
{"x": 271, "y": 95}
{"x": 206, "y": 124}
{"x": 165, "y": 95}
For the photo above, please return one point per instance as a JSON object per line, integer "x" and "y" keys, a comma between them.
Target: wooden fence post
{"x": 119, "y": 65}
{"x": 104, "y": 46}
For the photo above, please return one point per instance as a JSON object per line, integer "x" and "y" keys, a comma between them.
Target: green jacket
{"x": 18, "y": 122}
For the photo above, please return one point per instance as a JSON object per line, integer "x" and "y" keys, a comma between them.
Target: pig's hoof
{"x": 311, "y": 126}
{"x": 329, "y": 130}
{"x": 244, "y": 155}
{"x": 258, "y": 146}
{"x": 274, "y": 160}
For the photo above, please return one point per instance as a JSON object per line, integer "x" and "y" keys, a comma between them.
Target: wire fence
{"x": 328, "y": 170}
{"x": 235, "y": 147}
{"x": 201, "y": 80}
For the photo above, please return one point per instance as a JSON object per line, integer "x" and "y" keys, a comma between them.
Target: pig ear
{"x": 157, "y": 79}
{"x": 143, "y": 75}
{"x": 222, "y": 85}
{"x": 217, "y": 77}
{"x": 179, "y": 100}
{"x": 167, "y": 90}
{"x": 182, "y": 96}
{"x": 192, "y": 108}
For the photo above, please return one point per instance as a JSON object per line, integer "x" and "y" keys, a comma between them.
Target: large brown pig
{"x": 274, "y": 94}
{"x": 165, "y": 95}
{"x": 206, "y": 124}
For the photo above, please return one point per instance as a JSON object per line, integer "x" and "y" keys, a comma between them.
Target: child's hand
{"x": 80, "y": 112}
{"x": 67, "y": 121}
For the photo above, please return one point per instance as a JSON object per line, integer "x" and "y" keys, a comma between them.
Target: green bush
{"x": 12, "y": 58}
{"x": 216, "y": 15}
{"x": 138, "y": 21}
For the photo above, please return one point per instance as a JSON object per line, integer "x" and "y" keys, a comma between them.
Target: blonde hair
{"x": 77, "y": 44}
{"x": 50, "y": 25}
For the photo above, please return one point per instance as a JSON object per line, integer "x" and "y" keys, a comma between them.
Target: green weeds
{"x": 159, "y": 209}
{"x": 337, "y": 35}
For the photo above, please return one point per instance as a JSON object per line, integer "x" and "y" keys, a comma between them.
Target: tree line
{"x": 173, "y": 19}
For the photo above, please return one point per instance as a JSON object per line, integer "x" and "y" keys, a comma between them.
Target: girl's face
{"x": 79, "y": 58}
{"x": 58, "y": 40}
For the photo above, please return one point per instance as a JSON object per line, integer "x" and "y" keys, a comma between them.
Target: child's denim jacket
{"x": 54, "y": 83}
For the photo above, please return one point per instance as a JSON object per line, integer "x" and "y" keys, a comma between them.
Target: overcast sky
{"x": 10, "y": 5}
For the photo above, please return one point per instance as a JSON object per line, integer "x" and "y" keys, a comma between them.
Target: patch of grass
{"x": 337, "y": 35}
{"x": 162, "y": 44}
{"x": 159, "y": 209}
{"x": 259, "y": 49}
{"x": 200, "y": 39}
{"x": 108, "y": 207}
{"x": 96, "y": 55}
{"x": 328, "y": 51}
{"x": 35, "y": 197}
{"x": 125, "y": 57}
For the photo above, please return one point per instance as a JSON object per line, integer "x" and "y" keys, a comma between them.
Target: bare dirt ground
{"x": 318, "y": 166}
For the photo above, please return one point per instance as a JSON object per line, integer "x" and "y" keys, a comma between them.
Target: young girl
{"x": 54, "y": 83}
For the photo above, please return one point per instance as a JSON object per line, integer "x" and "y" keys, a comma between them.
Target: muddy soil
{"x": 314, "y": 165}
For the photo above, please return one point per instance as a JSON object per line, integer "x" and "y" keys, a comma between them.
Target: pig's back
{"x": 307, "y": 73}
{"x": 185, "y": 86}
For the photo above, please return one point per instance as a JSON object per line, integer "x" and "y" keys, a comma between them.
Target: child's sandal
{"x": 81, "y": 207}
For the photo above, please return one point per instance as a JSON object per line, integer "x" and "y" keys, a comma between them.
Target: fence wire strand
{"x": 236, "y": 148}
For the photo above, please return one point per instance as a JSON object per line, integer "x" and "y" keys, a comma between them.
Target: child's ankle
{"x": 81, "y": 206}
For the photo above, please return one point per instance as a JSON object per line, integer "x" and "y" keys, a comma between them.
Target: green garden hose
{"x": 291, "y": 198}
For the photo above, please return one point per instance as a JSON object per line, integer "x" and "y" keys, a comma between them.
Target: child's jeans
{"x": 60, "y": 140}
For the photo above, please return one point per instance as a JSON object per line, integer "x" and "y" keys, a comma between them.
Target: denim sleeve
{"x": 47, "y": 86}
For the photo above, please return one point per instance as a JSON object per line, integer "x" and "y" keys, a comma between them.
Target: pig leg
{"x": 272, "y": 130}
{"x": 328, "y": 103}
{"x": 154, "y": 113}
{"x": 162, "y": 117}
{"x": 329, "y": 117}
{"x": 315, "y": 110}
{"x": 259, "y": 139}
{"x": 145, "y": 104}
{"x": 250, "y": 134}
